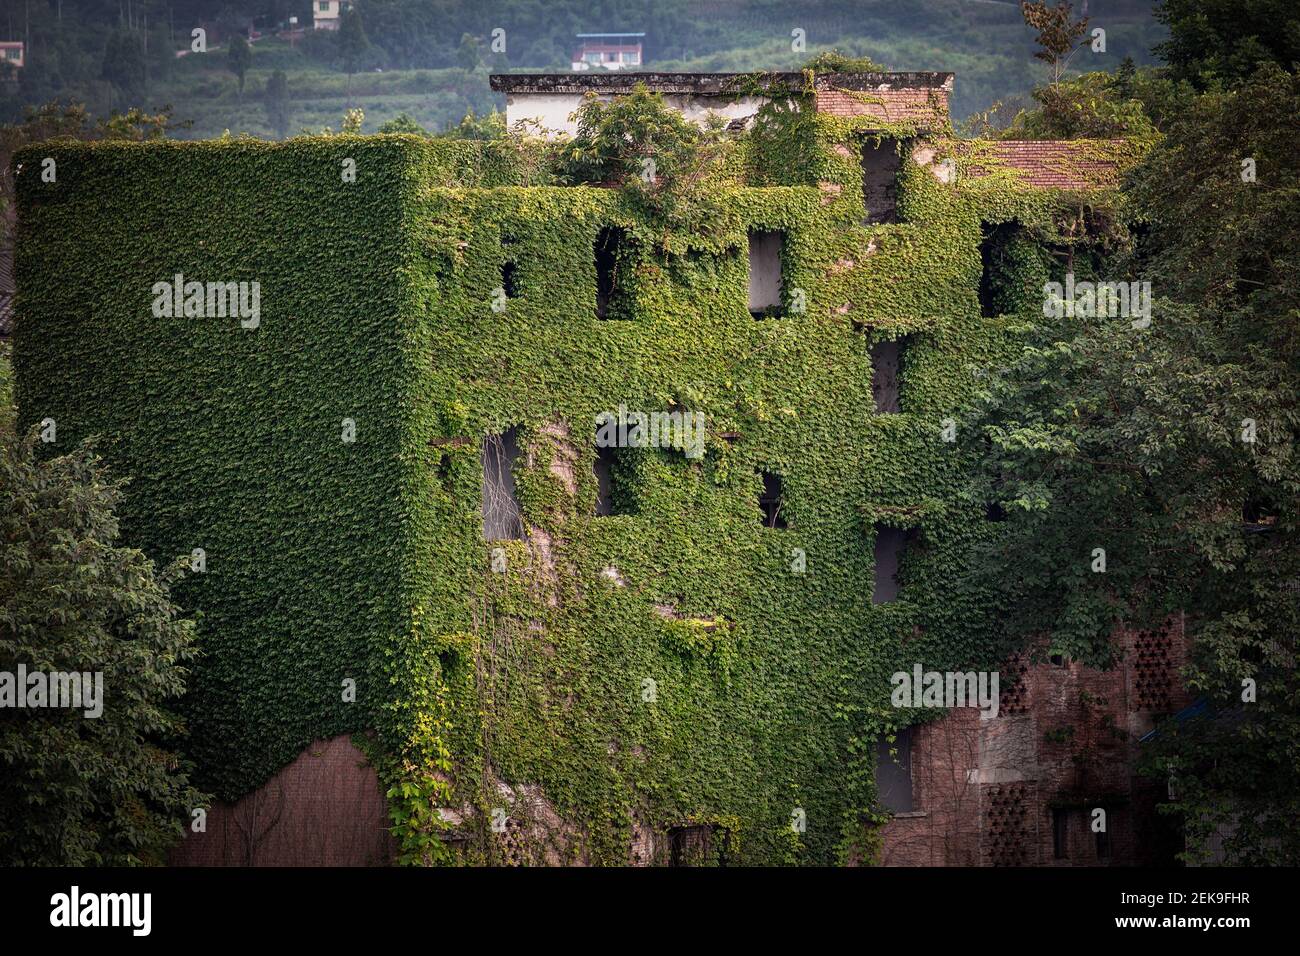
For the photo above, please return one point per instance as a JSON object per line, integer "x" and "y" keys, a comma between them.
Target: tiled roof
{"x": 891, "y": 105}
{"x": 1054, "y": 164}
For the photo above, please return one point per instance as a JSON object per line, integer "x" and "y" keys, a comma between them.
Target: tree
{"x": 467, "y": 54}
{"x": 353, "y": 44}
{"x": 78, "y": 790}
{"x": 275, "y": 99}
{"x": 642, "y": 144}
{"x": 124, "y": 62}
{"x": 1169, "y": 454}
{"x": 240, "y": 56}
{"x": 1058, "y": 33}
{"x": 1226, "y": 40}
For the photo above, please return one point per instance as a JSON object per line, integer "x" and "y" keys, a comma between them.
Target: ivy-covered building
{"x": 378, "y": 440}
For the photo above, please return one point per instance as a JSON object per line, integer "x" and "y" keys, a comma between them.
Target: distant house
{"x": 11, "y": 52}
{"x": 610, "y": 51}
{"x": 325, "y": 14}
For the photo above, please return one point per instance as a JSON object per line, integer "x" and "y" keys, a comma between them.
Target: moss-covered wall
{"x": 329, "y": 560}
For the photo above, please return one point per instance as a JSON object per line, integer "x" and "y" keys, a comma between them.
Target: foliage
{"x": 1091, "y": 106}
{"x": 1173, "y": 448}
{"x": 833, "y": 61}
{"x": 239, "y": 55}
{"x": 1058, "y": 32}
{"x": 78, "y": 790}
{"x": 638, "y": 142}
{"x": 1224, "y": 41}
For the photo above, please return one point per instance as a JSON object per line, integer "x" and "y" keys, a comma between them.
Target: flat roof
{"x": 710, "y": 83}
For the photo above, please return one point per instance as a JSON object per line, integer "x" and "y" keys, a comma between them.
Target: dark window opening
{"x": 770, "y": 500}
{"x": 509, "y": 283}
{"x": 1258, "y": 517}
{"x": 502, "y": 518}
{"x": 886, "y": 373}
{"x": 1059, "y": 660}
{"x": 880, "y": 166}
{"x": 894, "y": 772}
{"x": 996, "y": 272}
{"x": 995, "y": 512}
{"x": 615, "y": 470}
{"x": 889, "y": 548}
{"x": 697, "y": 845}
{"x": 609, "y": 297}
{"x": 444, "y": 472}
{"x": 765, "y": 273}
{"x": 1103, "y": 840}
{"x": 1060, "y": 831}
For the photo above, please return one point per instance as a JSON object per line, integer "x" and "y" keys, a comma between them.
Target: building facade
{"x": 599, "y": 526}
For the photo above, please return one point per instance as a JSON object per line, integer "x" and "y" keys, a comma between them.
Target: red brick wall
{"x": 324, "y": 809}
{"x": 1065, "y": 740}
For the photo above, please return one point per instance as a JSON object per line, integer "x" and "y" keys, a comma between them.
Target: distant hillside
{"x": 419, "y": 51}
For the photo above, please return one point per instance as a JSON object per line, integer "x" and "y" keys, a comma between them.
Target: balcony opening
{"x": 765, "y": 273}
{"x": 886, "y": 374}
{"x": 770, "y": 500}
{"x": 894, "y": 772}
{"x": 890, "y": 545}
{"x": 880, "y": 166}
{"x": 502, "y": 517}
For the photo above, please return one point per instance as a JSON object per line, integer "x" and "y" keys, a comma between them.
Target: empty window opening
{"x": 502, "y": 518}
{"x": 1257, "y": 517}
{"x": 765, "y": 273}
{"x": 880, "y": 166}
{"x": 891, "y": 543}
{"x": 1103, "y": 838}
{"x": 886, "y": 374}
{"x": 995, "y": 512}
{"x": 612, "y": 481}
{"x": 770, "y": 500}
{"x": 894, "y": 771}
{"x": 997, "y": 273}
{"x": 609, "y": 295}
{"x": 696, "y": 845}
{"x": 1060, "y": 833}
{"x": 509, "y": 283}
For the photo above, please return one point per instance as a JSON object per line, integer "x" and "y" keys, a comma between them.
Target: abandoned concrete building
{"x": 646, "y": 652}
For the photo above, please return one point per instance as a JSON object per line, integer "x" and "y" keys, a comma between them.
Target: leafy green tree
{"x": 1227, "y": 40}
{"x": 1059, "y": 34}
{"x": 78, "y": 790}
{"x": 468, "y": 55}
{"x": 403, "y": 123}
{"x": 1169, "y": 452}
{"x": 640, "y": 143}
{"x": 275, "y": 99}
{"x": 123, "y": 64}
{"x": 240, "y": 57}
